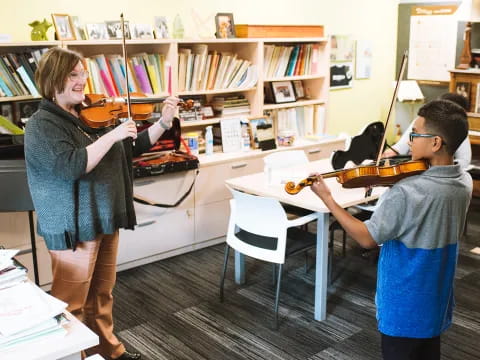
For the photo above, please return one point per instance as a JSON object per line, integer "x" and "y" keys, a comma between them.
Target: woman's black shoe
{"x": 129, "y": 356}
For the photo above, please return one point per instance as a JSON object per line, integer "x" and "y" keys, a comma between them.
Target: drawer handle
{"x": 314, "y": 151}
{"x": 238, "y": 166}
{"x": 146, "y": 223}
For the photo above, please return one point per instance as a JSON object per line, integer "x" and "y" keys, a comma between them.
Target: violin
{"x": 101, "y": 111}
{"x": 370, "y": 175}
{"x": 364, "y": 176}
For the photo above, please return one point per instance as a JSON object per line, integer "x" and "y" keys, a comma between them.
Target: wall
{"x": 349, "y": 110}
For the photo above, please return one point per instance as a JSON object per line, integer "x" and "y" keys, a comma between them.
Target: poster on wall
{"x": 341, "y": 48}
{"x": 432, "y": 43}
{"x": 363, "y": 61}
{"x": 341, "y": 75}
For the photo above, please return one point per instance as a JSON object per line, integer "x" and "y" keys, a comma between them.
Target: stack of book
{"x": 235, "y": 105}
{"x": 149, "y": 74}
{"x": 199, "y": 70}
{"x": 300, "y": 59}
{"x": 17, "y": 73}
{"x": 27, "y": 313}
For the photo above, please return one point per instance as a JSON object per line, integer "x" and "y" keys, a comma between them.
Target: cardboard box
{"x": 280, "y": 31}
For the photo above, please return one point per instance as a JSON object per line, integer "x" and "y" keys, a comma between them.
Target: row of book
{"x": 300, "y": 59}
{"x": 199, "y": 69}
{"x": 233, "y": 105}
{"x": 28, "y": 313}
{"x": 149, "y": 74}
{"x": 302, "y": 121}
{"x": 17, "y": 73}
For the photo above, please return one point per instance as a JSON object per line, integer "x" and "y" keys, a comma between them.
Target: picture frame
{"x": 224, "y": 25}
{"x": 299, "y": 90}
{"x": 114, "y": 29}
{"x": 283, "y": 92}
{"x": 341, "y": 75}
{"x": 207, "y": 112}
{"x": 253, "y": 122}
{"x": 463, "y": 88}
{"x": 97, "y": 31}
{"x": 142, "y": 31}
{"x": 160, "y": 27}
{"x": 63, "y": 27}
{"x": 78, "y": 28}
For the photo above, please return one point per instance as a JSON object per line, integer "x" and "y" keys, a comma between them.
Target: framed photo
{"x": 6, "y": 110}
{"x": 63, "y": 27}
{"x": 97, "y": 31}
{"x": 298, "y": 87}
{"x": 142, "y": 31}
{"x": 341, "y": 75}
{"x": 207, "y": 112}
{"x": 463, "y": 88}
{"x": 78, "y": 28}
{"x": 283, "y": 91}
{"x": 224, "y": 25}
{"x": 160, "y": 26}
{"x": 114, "y": 29}
{"x": 252, "y": 126}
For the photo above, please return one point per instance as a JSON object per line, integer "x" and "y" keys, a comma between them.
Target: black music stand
{"x": 15, "y": 196}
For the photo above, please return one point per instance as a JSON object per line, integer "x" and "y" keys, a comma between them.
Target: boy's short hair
{"x": 456, "y": 98}
{"x": 447, "y": 120}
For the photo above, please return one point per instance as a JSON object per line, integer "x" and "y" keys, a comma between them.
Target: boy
{"x": 419, "y": 222}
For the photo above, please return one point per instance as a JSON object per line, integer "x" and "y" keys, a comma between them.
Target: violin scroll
{"x": 293, "y": 189}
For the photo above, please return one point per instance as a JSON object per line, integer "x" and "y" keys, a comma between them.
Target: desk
{"x": 256, "y": 184}
{"x": 68, "y": 347}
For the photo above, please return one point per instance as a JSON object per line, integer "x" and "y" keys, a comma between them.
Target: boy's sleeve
{"x": 386, "y": 222}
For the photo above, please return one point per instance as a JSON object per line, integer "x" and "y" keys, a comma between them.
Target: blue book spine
{"x": 5, "y": 88}
{"x": 293, "y": 60}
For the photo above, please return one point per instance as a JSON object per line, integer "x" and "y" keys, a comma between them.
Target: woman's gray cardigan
{"x": 70, "y": 204}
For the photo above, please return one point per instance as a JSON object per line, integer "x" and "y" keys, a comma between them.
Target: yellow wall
{"x": 348, "y": 111}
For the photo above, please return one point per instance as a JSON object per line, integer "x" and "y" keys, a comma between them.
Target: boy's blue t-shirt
{"x": 419, "y": 222}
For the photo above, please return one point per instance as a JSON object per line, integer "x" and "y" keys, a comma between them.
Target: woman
{"x": 80, "y": 180}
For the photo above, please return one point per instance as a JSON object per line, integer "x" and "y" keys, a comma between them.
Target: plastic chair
{"x": 259, "y": 228}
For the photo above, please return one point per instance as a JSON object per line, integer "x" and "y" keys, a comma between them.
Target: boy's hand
{"x": 320, "y": 188}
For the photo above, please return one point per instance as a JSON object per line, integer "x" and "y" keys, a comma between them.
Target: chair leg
{"x": 224, "y": 270}
{"x": 274, "y": 274}
{"x": 306, "y": 262}
{"x": 277, "y": 294}
{"x": 330, "y": 258}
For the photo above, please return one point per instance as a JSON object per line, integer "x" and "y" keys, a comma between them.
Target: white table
{"x": 68, "y": 347}
{"x": 257, "y": 184}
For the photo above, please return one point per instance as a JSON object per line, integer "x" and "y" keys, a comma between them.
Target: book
{"x": 142, "y": 76}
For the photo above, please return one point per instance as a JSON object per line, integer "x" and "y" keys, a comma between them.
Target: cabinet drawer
{"x": 211, "y": 220}
{"x": 158, "y": 231}
{"x": 210, "y": 185}
{"x": 323, "y": 151}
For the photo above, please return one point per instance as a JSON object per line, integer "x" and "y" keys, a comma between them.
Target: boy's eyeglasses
{"x": 74, "y": 75}
{"x": 413, "y": 135}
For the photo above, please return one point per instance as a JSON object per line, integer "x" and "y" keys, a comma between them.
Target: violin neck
{"x": 146, "y": 100}
{"x": 326, "y": 175}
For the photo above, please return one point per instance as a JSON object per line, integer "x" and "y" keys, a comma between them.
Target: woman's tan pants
{"x": 84, "y": 279}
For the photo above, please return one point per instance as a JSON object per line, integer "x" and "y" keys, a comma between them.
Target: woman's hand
{"x": 169, "y": 110}
{"x": 320, "y": 188}
{"x": 124, "y": 130}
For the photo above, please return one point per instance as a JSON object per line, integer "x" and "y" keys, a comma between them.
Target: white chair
{"x": 259, "y": 227}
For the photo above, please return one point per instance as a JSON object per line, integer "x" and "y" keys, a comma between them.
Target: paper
{"x": 24, "y": 306}
{"x": 6, "y": 257}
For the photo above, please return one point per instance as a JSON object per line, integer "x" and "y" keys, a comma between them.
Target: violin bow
{"x": 124, "y": 48}
{"x": 395, "y": 93}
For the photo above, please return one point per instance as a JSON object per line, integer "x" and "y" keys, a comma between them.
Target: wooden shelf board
{"x": 293, "y": 104}
{"x": 297, "y": 77}
{"x": 19, "y": 98}
{"x": 210, "y": 92}
{"x": 188, "y": 124}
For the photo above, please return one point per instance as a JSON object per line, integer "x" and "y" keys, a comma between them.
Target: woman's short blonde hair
{"x": 53, "y": 70}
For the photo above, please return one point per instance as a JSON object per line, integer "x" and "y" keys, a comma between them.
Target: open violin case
{"x": 164, "y": 157}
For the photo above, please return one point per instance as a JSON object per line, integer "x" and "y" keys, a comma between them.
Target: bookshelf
{"x": 204, "y": 213}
